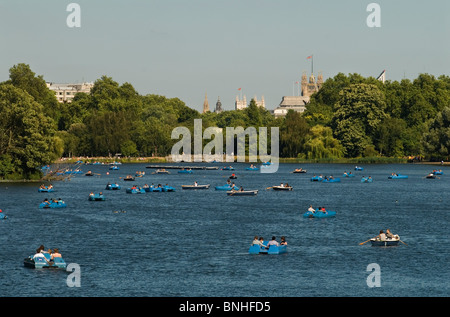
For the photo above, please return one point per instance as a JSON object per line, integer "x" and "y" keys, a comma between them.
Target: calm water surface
{"x": 195, "y": 243}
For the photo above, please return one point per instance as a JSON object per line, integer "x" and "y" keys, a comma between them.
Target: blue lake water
{"x": 195, "y": 243}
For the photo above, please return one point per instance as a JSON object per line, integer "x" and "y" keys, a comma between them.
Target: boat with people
{"x": 228, "y": 168}
{"x": 129, "y": 178}
{"x": 233, "y": 176}
{"x": 384, "y": 243}
{"x": 266, "y": 247}
{"x": 317, "y": 178}
{"x": 161, "y": 171}
{"x": 2, "y": 215}
{"x": 252, "y": 168}
{"x": 359, "y": 168}
{"x": 438, "y": 172}
{"x": 227, "y": 187}
{"x": 299, "y": 170}
{"x": 53, "y": 203}
{"x": 96, "y": 197}
{"x": 397, "y": 176}
{"x": 384, "y": 239}
{"x": 45, "y": 260}
{"x": 185, "y": 171}
{"x": 331, "y": 179}
{"x": 135, "y": 190}
{"x": 114, "y": 167}
{"x": 431, "y": 176}
{"x": 242, "y": 192}
{"x": 139, "y": 174}
{"x": 89, "y": 173}
{"x": 349, "y": 174}
{"x": 46, "y": 189}
{"x": 319, "y": 213}
{"x": 114, "y": 186}
{"x": 285, "y": 187}
{"x": 195, "y": 186}
{"x": 366, "y": 179}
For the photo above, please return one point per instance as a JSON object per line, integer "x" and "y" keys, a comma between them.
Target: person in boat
{"x": 322, "y": 209}
{"x": 381, "y": 236}
{"x": 390, "y": 235}
{"x": 281, "y": 185}
{"x": 273, "y": 242}
{"x": 283, "y": 241}
{"x": 311, "y": 209}
{"x": 228, "y": 181}
{"x": 195, "y": 184}
{"x": 241, "y": 189}
{"x": 258, "y": 241}
{"x": 286, "y": 185}
{"x": 55, "y": 254}
{"x": 40, "y": 254}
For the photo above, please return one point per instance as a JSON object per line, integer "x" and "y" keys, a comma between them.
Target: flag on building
{"x": 310, "y": 56}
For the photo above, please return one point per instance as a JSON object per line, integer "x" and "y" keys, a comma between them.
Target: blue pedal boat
{"x": 185, "y": 171}
{"x": 385, "y": 243}
{"x": 53, "y": 204}
{"x": 97, "y": 197}
{"x": 397, "y": 176}
{"x": 316, "y": 178}
{"x": 227, "y": 187}
{"x": 319, "y": 214}
{"x": 40, "y": 263}
{"x": 135, "y": 190}
{"x": 331, "y": 180}
{"x": 252, "y": 168}
{"x": 273, "y": 249}
{"x": 46, "y": 190}
{"x": 366, "y": 180}
{"x": 358, "y": 168}
{"x": 112, "y": 186}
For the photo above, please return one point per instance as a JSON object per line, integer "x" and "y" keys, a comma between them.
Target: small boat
{"x": 385, "y": 243}
{"x": 161, "y": 171}
{"x": 227, "y": 187}
{"x": 299, "y": 170}
{"x": 397, "y": 176}
{"x": 183, "y": 171}
{"x": 97, "y": 197}
{"x": 135, "y": 190}
{"x": 168, "y": 188}
{"x": 319, "y": 214}
{"x": 89, "y": 174}
{"x": 348, "y": 174}
{"x": 267, "y": 163}
{"x": 431, "y": 176}
{"x": 282, "y": 188}
{"x": 53, "y": 204}
{"x": 273, "y": 249}
{"x": 153, "y": 188}
{"x": 139, "y": 174}
{"x": 233, "y": 177}
{"x": 316, "y": 178}
{"x": 114, "y": 167}
{"x": 440, "y": 172}
{"x": 366, "y": 180}
{"x": 195, "y": 186}
{"x": 227, "y": 168}
{"x": 114, "y": 186}
{"x": 40, "y": 263}
{"x": 242, "y": 192}
{"x": 129, "y": 178}
{"x": 252, "y": 168}
{"x": 46, "y": 189}
{"x": 358, "y": 168}
{"x": 331, "y": 180}
{"x": 3, "y": 216}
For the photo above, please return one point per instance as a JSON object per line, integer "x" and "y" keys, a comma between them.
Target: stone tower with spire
{"x": 206, "y": 104}
{"x": 218, "y": 105}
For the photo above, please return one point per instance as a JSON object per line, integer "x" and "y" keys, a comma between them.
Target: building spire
{"x": 206, "y": 104}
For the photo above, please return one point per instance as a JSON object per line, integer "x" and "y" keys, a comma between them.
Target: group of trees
{"x": 350, "y": 116}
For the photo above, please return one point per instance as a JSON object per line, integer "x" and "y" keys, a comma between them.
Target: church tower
{"x": 206, "y": 104}
{"x": 218, "y": 105}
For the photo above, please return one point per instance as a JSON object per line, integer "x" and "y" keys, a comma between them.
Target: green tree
{"x": 437, "y": 140}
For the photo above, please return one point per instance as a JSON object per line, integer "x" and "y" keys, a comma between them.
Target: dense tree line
{"x": 351, "y": 116}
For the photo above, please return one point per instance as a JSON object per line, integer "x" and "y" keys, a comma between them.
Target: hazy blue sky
{"x": 184, "y": 48}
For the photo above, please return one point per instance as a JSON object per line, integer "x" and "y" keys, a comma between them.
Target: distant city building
{"x": 242, "y": 104}
{"x": 298, "y": 103}
{"x": 206, "y": 104}
{"x": 218, "y": 106}
{"x": 66, "y": 92}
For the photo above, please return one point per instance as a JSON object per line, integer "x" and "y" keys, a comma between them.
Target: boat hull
{"x": 319, "y": 214}
{"x": 387, "y": 243}
{"x": 112, "y": 187}
{"x": 195, "y": 187}
{"x": 282, "y": 188}
{"x": 53, "y": 205}
{"x": 39, "y": 263}
{"x": 96, "y": 197}
{"x": 226, "y": 187}
{"x": 273, "y": 249}
{"x": 135, "y": 191}
{"x": 242, "y": 193}
{"x": 398, "y": 177}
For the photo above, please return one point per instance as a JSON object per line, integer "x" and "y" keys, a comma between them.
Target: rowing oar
{"x": 402, "y": 242}
{"x": 269, "y": 188}
{"x": 365, "y": 241}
